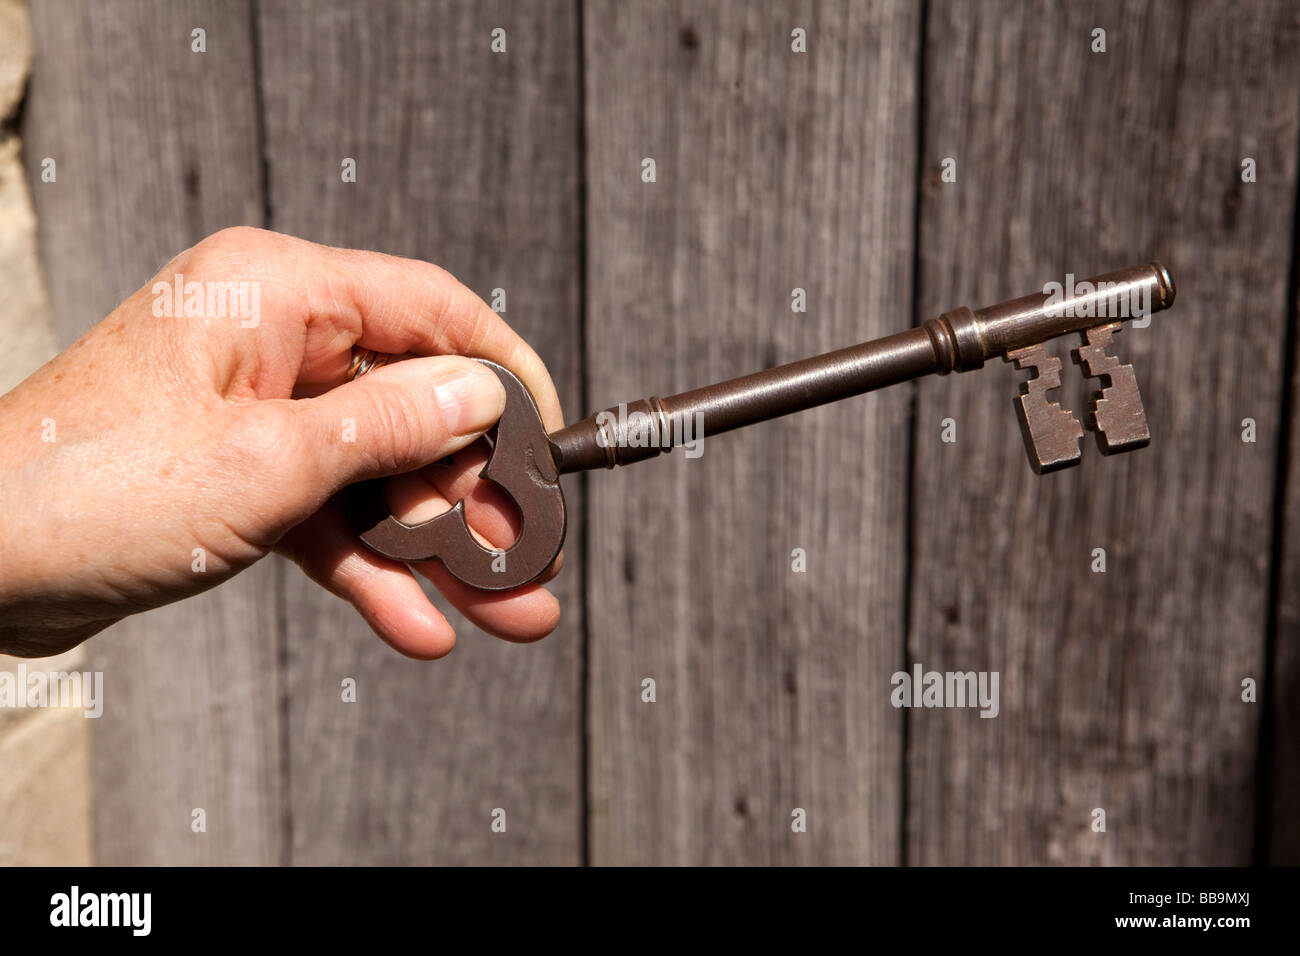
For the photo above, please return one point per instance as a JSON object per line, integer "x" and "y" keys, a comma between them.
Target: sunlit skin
{"x": 173, "y": 434}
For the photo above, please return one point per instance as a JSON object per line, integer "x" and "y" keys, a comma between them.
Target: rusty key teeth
{"x": 1051, "y": 432}
{"x": 1115, "y": 412}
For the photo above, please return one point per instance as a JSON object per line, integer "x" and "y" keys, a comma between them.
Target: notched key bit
{"x": 1115, "y": 412}
{"x": 1051, "y": 432}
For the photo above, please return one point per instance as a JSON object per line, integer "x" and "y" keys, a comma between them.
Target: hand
{"x": 162, "y": 454}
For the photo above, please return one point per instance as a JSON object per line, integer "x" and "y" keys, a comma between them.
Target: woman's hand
{"x": 165, "y": 450}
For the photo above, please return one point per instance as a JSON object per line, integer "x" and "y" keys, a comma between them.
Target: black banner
{"x": 327, "y": 906}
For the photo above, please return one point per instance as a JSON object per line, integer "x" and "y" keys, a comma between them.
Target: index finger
{"x": 395, "y": 305}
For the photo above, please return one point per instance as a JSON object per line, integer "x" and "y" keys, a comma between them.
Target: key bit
{"x": 527, "y": 462}
{"x": 1115, "y": 412}
{"x": 1051, "y": 432}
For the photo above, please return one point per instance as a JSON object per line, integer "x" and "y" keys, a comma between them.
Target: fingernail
{"x": 471, "y": 399}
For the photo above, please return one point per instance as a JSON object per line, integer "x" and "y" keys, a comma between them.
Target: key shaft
{"x": 960, "y": 340}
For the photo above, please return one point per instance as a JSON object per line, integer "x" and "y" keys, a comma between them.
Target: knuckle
{"x": 418, "y": 425}
{"x": 237, "y": 237}
{"x": 230, "y": 246}
{"x": 531, "y": 363}
{"x": 402, "y": 427}
{"x": 485, "y": 327}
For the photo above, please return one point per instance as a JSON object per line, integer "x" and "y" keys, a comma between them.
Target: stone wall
{"x": 44, "y": 752}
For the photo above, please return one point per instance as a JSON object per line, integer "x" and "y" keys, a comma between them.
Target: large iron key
{"x": 527, "y": 462}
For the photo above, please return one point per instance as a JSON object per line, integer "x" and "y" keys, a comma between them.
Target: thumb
{"x": 400, "y": 417}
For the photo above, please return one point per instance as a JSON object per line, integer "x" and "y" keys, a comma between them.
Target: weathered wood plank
{"x": 1121, "y": 690}
{"x": 469, "y": 159}
{"x": 156, "y": 147}
{"x": 1281, "y": 823}
{"x": 775, "y": 170}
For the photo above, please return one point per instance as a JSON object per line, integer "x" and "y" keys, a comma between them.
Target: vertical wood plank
{"x": 1281, "y": 695}
{"x": 469, "y": 159}
{"x": 775, "y": 170}
{"x": 1121, "y": 690}
{"x": 156, "y": 147}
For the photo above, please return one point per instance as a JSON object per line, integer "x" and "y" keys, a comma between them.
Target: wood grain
{"x": 775, "y": 171}
{"x": 469, "y": 159}
{"x": 156, "y": 147}
{"x": 1121, "y": 690}
{"x": 1279, "y": 831}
